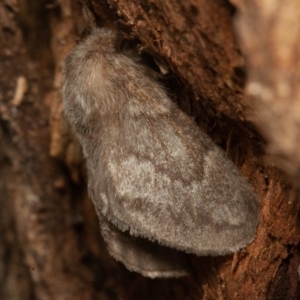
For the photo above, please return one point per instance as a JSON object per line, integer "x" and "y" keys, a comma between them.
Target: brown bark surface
{"x": 50, "y": 244}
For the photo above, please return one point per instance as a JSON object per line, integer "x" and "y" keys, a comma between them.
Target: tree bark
{"x": 51, "y": 247}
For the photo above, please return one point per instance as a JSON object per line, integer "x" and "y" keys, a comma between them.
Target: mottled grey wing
{"x": 164, "y": 179}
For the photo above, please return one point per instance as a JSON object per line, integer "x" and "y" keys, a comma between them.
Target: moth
{"x": 157, "y": 181}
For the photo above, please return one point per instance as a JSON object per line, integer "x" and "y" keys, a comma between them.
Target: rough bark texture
{"x": 50, "y": 245}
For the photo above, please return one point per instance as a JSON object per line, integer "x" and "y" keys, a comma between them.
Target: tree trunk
{"x": 51, "y": 247}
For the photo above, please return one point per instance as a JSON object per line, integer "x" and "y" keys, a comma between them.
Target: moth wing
{"x": 140, "y": 255}
{"x": 164, "y": 179}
